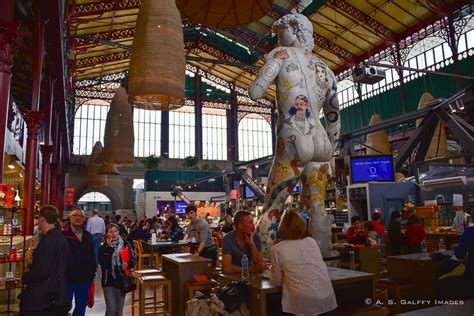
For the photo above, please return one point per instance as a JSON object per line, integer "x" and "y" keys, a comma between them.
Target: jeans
{"x": 114, "y": 300}
{"x": 210, "y": 253}
{"x": 79, "y": 291}
{"x": 97, "y": 240}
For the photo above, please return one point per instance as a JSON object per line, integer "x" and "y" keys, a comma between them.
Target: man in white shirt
{"x": 96, "y": 226}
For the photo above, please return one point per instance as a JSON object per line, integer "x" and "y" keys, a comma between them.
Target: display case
{"x": 12, "y": 258}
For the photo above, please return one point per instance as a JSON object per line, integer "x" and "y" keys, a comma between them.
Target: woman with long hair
{"x": 414, "y": 234}
{"x": 297, "y": 265}
{"x": 396, "y": 239}
{"x": 114, "y": 269}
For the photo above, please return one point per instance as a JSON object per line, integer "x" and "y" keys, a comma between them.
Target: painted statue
{"x": 305, "y": 85}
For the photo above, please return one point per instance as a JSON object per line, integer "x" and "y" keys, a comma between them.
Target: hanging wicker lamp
{"x": 439, "y": 144}
{"x": 108, "y": 169}
{"x": 118, "y": 137}
{"x": 157, "y": 64}
{"x": 224, "y": 12}
{"x": 377, "y": 140}
{"x": 95, "y": 179}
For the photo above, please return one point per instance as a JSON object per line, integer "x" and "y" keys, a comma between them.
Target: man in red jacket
{"x": 378, "y": 226}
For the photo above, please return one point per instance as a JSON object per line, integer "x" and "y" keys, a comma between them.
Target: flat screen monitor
{"x": 372, "y": 168}
{"x": 180, "y": 207}
{"x": 297, "y": 188}
{"x": 249, "y": 193}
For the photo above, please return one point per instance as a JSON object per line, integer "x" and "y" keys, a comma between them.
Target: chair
{"x": 218, "y": 251}
{"x": 153, "y": 308}
{"x": 137, "y": 274}
{"x": 367, "y": 310}
{"x": 192, "y": 287}
{"x": 141, "y": 255}
{"x": 397, "y": 286}
{"x": 370, "y": 260}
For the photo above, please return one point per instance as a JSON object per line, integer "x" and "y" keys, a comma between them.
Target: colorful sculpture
{"x": 305, "y": 85}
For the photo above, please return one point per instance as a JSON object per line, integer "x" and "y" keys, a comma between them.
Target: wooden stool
{"x": 137, "y": 274}
{"x": 397, "y": 285}
{"x": 140, "y": 254}
{"x": 165, "y": 304}
{"x": 366, "y": 310}
{"x": 192, "y": 287}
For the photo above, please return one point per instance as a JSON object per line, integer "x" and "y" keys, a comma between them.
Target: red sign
{"x": 69, "y": 200}
{"x": 234, "y": 194}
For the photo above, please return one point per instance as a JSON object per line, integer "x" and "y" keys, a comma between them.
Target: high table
{"x": 180, "y": 268}
{"x": 350, "y": 287}
{"x": 450, "y": 238}
{"x": 418, "y": 268}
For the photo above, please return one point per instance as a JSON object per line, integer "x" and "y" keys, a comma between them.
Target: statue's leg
{"x": 313, "y": 193}
{"x": 293, "y": 152}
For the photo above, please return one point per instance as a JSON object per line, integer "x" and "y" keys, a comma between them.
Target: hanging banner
{"x": 69, "y": 200}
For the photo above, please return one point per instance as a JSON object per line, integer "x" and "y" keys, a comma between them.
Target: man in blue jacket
{"x": 82, "y": 264}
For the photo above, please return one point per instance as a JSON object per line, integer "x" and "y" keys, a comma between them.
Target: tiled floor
{"x": 99, "y": 306}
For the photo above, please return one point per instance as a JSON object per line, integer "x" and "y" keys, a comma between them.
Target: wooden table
{"x": 417, "y": 268}
{"x": 180, "y": 268}
{"x": 450, "y": 238}
{"x": 350, "y": 287}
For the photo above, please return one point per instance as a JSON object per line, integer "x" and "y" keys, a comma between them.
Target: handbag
{"x": 128, "y": 283}
{"x": 90, "y": 295}
{"x": 233, "y": 295}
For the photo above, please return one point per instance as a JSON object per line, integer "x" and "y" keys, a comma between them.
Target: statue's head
{"x": 294, "y": 30}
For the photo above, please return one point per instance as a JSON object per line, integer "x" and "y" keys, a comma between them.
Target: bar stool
{"x": 142, "y": 255}
{"x": 165, "y": 304}
{"x": 397, "y": 285}
{"x": 192, "y": 287}
{"x": 137, "y": 274}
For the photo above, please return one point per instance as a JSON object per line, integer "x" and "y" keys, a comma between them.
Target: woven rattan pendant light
{"x": 95, "y": 179}
{"x": 157, "y": 64}
{"x": 224, "y": 12}
{"x": 377, "y": 140}
{"x": 118, "y": 137}
{"x": 108, "y": 169}
{"x": 439, "y": 144}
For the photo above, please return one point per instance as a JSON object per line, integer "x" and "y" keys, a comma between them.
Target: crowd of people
{"x": 65, "y": 260}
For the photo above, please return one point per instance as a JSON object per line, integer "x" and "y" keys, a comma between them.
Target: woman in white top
{"x": 298, "y": 266}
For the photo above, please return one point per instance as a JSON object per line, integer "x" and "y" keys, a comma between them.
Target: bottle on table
{"x": 441, "y": 246}
{"x": 244, "y": 264}
{"x": 352, "y": 259}
{"x": 424, "y": 248}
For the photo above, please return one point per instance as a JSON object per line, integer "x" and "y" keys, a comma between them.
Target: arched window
{"x": 214, "y": 134}
{"x": 95, "y": 200}
{"x": 89, "y": 126}
{"x": 255, "y": 137}
{"x": 182, "y": 134}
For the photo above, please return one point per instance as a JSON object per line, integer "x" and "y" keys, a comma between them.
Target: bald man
{"x": 82, "y": 264}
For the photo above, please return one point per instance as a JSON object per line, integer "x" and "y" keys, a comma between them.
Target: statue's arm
{"x": 331, "y": 111}
{"x": 267, "y": 73}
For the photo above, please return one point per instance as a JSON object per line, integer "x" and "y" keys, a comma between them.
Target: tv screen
{"x": 372, "y": 168}
{"x": 180, "y": 207}
{"x": 249, "y": 193}
{"x": 297, "y": 188}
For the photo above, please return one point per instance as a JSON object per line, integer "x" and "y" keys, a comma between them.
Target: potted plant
{"x": 190, "y": 162}
{"x": 151, "y": 162}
